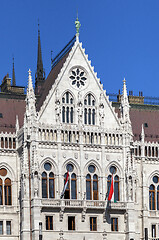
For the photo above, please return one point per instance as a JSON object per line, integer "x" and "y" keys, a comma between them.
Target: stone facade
{"x": 77, "y": 128}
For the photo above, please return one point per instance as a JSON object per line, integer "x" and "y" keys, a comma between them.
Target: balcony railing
{"x": 73, "y": 203}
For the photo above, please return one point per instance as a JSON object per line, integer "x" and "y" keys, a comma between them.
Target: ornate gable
{"x": 77, "y": 77}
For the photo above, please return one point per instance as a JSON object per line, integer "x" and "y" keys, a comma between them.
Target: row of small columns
{"x": 86, "y": 137}
{"x": 150, "y": 151}
{"x": 8, "y": 142}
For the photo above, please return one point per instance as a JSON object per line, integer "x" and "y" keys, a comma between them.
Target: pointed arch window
{"x": 116, "y": 188}
{"x": 88, "y": 187}
{"x": 116, "y": 182}
{"x": 92, "y": 184}
{"x": 71, "y": 190}
{"x": 67, "y": 108}
{"x": 48, "y": 182}
{"x": 152, "y": 197}
{"x": 44, "y": 185}
{"x": 51, "y": 186}
{"x": 89, "y": 110}
{"x": 154, "y": 193}
{"x": 5, "y": 188}
{"x": 7, "y": 191}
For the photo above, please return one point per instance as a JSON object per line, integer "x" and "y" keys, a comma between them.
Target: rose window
{"x": 78, "y": 77}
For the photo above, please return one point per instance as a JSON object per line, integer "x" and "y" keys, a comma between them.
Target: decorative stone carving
{"x": 61, "y": 213}
{"x": 104, "y": 217}
{"x": 86, "y": 156}
{"x": 57, "y": 107}
{"x": 80, "y": 109}
{"x": 76, "y": 155}
{"x": 84, "y": 214}
{"x": 104, "y": 235}
{"x": 36, "y": 184}
{"x": 101, "y": 110}
{"x": 130, "y": 188}
{"x": 61, "y": 235}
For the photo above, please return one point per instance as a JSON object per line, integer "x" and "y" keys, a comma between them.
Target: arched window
{"x": 116, "y": 188}
{"x": 7, "y": 191}
{"x": 1, "y": 192}
{"x": 48, "y": 181}
{"x": 91, "y": 184}
{"x": 154, "y": 193}
{"x": 152, "y": 197}
{"x": 88, "y": 187}
{"x": 44, "y": 185}
{"x": 67, "y": 108}
{"x": 108, "y": 183}
{"x": 51, "y": 186}
{"x": 71, "y": 189}
{"x": 73, "y": 186}
{"x": 5, "y": 188}
{"x": 113, "y": 170}
{"x": 89, "y": 109}
{"x": 95, "y": 187}
{"x": 67, "y": 191}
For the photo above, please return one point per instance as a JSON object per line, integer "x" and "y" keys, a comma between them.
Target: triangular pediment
{"x": 78, "y": 77}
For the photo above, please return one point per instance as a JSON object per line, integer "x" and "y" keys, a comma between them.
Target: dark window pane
{"x": 51, "y": 188}
{"x": 89, "y": 99}
{"x": 1, "y": 227}
{"x": 85, "y": 116}
{"x": 71, "y": 115}
{"x": 67, "y": 115}
{"x": 93, "y": 117}
{"x": 73, "y": 189}
{"x": 93, "y": 224}
{"x": 47, "y": 166}
{"x": 155, "y": 179}
{"x": 91, "y": 168}
{"x": 8, "y": 227}
{"x": 63, "y": 114}
{"x": 44, "y": 185}
{"x": 88, "y": 187}
{"x": 1, "y": 194}
{"x": 71, "y": 223}
{"x": 67, "y": 97}
{"x": 69, "y": 168}
{"x": 89, "y": 116}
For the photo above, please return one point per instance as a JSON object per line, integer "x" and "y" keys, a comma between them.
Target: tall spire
{"x": 13, "y": 75}
{"x": 40, "y": 73}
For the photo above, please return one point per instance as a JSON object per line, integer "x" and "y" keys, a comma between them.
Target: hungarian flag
{"x": 111, "y": 190}
{"x": 65, "y": 185}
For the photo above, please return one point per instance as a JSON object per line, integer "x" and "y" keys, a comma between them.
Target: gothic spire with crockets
{"x": 40, "y": 73}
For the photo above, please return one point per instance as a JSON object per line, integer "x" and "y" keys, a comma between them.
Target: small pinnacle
{"x": 124, "y": 81}
{"x": 77, "y": 25}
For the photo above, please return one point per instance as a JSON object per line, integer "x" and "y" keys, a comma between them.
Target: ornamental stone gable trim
{"x": 94, "y": 74}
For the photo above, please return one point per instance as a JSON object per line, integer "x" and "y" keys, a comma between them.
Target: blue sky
{"x": 121, "y": 38}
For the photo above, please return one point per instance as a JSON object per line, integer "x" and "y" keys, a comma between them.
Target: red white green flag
{"x": 111, "y": 191}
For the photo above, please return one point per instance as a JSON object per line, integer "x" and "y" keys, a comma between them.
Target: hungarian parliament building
{"x": 68, "y": 125}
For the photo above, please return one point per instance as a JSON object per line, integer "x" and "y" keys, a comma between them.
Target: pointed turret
{"x": 125, "y": 107}
{"x": 40, "y": 73}
{"x": 30, "y": 101}
{"x": 13, "y": 75}
{"x": 142, "y": 134}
